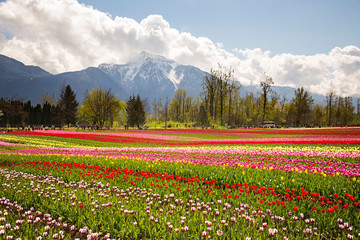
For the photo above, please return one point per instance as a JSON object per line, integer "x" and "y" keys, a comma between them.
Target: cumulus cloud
{"x": 338, "y": 70}
{"x": 64, "y": 35}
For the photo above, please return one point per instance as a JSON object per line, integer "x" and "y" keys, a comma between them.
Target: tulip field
{"x": 180, "y": 184}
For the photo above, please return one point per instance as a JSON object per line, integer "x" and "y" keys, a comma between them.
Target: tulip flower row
{"x": 294, "y": 189}
{"x": 355, "y": 131}
{"x": 346, "y": 132}
{"x": 186, "y": 141}
{"x": 18, "y": 222}
{"x": 148, "y": 204}
{"x": 310, "y": 150}
{"x": 306, "y": 163}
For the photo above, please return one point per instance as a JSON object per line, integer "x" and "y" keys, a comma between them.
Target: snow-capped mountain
{"x": 155, "y": 76}
{"x": 150, "y": 76}
{"x": 145, "y": 65}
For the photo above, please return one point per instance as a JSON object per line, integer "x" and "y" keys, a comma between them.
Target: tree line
{"x": 15, "y": 112}
{"x": 219, "y": 104}
{"x": 101, "y": 108}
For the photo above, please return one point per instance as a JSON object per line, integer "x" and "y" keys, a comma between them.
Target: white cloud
{"x": 339, "y": 70}
{"x": 64, "y": 35}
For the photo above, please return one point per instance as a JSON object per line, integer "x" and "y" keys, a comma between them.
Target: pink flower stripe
{"x": 132, "y": 135}
{"x": 276, "y": 153}
{"x": 177, "y": 140}
{"x": 329, "y": 131}
{"x": 290, "y": 140}
{"x": 229, "y": 158}
{"x": 8, "y": 144}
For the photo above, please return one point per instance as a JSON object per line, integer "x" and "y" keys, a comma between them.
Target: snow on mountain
{"x": 154, "y": 76}
{"x": 144, "y": 66}
{"x": 150, "y": 76}
{"x": 174, "y": 78}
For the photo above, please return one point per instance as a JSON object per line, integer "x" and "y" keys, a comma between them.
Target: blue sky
{"x": 280, "y": 26}
{"x": 310, "y": 44}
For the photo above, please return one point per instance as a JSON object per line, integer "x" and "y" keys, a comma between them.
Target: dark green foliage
{"x": 15, "y": 113}
{"x": 12, "y": 112}
{"x": 68, "y": 104}
{"x": 135, "y": 112}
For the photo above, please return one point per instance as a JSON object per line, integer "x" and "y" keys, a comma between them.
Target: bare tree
{"x": 265, "y": 89}
{"x": 177, "y": 105}
{"x": 166, "y": 110}
{"x": 209, "y": 93}
{"x": 330, "y": 96}
{"x": 234, "y": 87}
{"x": 347, "y": 113}
{"x": 215, "y": 91}
{"x": 303, "y": 103}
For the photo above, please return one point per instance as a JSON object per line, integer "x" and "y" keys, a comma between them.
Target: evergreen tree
{"x": 36, "y": 114}
{"x": 68, "y": 104}
{"x": 135, "y": 112}
{"x": 57, "y": 116}
{"x": 46, "y": 114}
{"x": 140, "y": 113}
{"x": 130, "y": 110}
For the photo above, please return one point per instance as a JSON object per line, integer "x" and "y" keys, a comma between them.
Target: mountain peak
{"x": 10, "y": 67}
{"x": 153, "y": 76}
{"x": 149, "y": 75}
{"x": 139, "y": 60}
{"x": 145, "y": 56}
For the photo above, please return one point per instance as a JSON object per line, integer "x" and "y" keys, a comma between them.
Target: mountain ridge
{"x": 150, "y": 76}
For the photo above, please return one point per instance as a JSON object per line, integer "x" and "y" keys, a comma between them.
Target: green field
{"x": 173, "y": 185}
